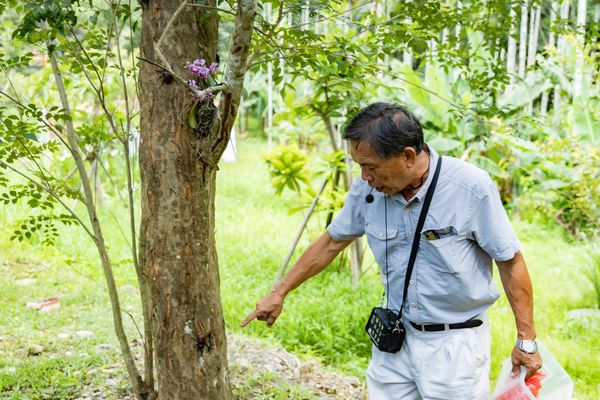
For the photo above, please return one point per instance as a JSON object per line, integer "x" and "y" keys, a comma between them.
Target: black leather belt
{"x": 472, "y": 323}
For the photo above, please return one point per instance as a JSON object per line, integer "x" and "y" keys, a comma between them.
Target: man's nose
{"x": 366, "y": 175}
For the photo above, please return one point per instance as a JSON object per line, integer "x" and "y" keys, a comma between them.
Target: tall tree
{"x": 511, "y": 54}
{"x": 561, "y": 45}
{"x": 523, "y": 40}
{"x": 178, "y": 165}
{"x": 554, "y": 9}
{"x": 580, "y": 53}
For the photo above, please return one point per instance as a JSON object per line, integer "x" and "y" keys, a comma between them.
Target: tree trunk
{"x": 267, "y": 16}
{"x": 140, "y": 391}
{"x": 407, "y": 57}
{"x": 534, "y": 28}
{"x": 523, "y": 41}
{"x": 178, "y": 193}
{"x": 564, "y": 14}
{"x": 457, "y": 31}
{"x": 551, "y": 43}
{"x": 580, "y": 52}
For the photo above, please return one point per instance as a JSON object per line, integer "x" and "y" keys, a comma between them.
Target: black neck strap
{"x": 417, "y": 238}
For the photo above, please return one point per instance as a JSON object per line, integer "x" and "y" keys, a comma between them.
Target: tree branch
{"x": 132, "y": 370}
{"x": 54, "y": 195}
{"x": 167, "y": 29}
{"x": 10, "y": 82}
{"x": 99, "y": 90}
{"x": 123, "y": 81}
{"x": 46, "y": 123}
{"x": 234, "y": 76}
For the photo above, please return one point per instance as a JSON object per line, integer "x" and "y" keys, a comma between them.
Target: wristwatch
{"x": 527, "y": 346}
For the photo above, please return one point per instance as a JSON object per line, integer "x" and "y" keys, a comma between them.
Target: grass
{"x": 260, "y": 385}
{"x": 323, "y": 319}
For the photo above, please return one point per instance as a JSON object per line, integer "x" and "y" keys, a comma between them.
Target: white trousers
{"x": 444, "y": 365}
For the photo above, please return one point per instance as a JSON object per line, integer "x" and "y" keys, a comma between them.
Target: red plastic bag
{"x": 520, "y": 388}
{"x": 550, "y": 383}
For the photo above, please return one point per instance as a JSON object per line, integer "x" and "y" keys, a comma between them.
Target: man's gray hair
{"x": 388, "y": 128}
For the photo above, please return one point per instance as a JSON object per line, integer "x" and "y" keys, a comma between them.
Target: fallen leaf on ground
{"x": 45, "y": 305}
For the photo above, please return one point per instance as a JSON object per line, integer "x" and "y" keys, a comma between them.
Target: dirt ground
{"x": 246, "y": 354}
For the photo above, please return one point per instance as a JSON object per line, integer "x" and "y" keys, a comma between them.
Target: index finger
{"x": 249, "y": 318}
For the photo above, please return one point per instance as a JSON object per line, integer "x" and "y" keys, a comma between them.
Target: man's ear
{"x": 410, "y": 155}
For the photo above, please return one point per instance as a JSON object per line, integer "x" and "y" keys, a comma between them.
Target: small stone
{"x": 243, "y": 362}
{"x": 35, "y": 350}
{"x": 84, "y": 333}
{"x": 25, "y": 281}
{"x": 63, "y": 335}
{"x": 68, "y": 353}
{"x": 111, "y": 382}
{"x": 103, "y": 346}
{"x": 330, "y": 390}
{"x": 308, "y": 368}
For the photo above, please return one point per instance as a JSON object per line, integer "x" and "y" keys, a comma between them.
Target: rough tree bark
{"x": 178, "y": 167}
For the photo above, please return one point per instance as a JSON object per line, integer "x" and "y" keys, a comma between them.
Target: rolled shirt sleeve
{"x": 349, "y": 223}
{"x": 490, "y": 225}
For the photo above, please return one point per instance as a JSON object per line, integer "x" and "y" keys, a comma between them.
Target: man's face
{"x": 388, "y": 176}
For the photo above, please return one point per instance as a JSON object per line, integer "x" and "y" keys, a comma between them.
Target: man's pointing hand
{"x": 267, "y": 309}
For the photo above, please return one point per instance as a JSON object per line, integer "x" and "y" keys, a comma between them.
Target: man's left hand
{"x": 532, "y": 362}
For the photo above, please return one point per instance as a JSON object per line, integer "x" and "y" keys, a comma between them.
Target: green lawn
{"x": 323, "y": 319}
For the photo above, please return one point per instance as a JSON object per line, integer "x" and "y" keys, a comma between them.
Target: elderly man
{"x": 446, "y": 351}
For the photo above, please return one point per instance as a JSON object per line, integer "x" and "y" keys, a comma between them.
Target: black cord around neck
{"x": 415, "y": 188}
{"x": 387, "y": 277}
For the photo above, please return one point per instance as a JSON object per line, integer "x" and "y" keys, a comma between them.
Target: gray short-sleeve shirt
{"x": 466, "y": 227}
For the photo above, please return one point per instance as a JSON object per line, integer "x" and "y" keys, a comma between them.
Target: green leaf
{"x": 551, "y": 184}
{"x": 192, "y": 121}
{"x": 488, "y": 165}
{"x": 415, "y": 88}
{"x": 444, "y": 145}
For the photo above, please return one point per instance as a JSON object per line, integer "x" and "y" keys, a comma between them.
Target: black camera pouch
{"x": 385, "y": 329}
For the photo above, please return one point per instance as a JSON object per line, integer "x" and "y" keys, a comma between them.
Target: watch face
{"x": 528, "y": 346}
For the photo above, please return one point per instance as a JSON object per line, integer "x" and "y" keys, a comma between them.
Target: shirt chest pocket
{"x": 376, "y": 236}
{"x": 440, "y": 249}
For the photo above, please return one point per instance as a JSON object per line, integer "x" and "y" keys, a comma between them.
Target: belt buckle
{"x": 423, "y": 328}
{"x": 446, "y": 327}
